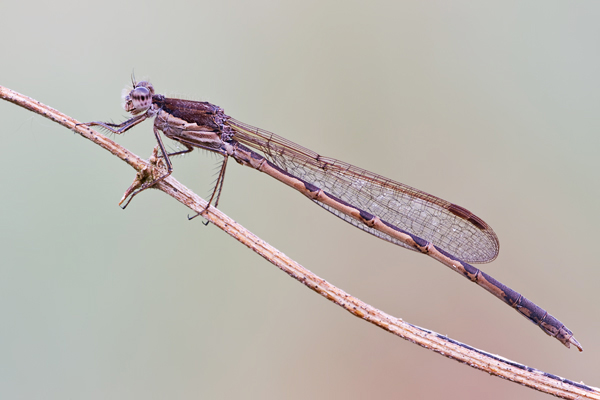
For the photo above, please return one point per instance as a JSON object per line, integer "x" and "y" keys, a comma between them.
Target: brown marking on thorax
{"x": 194, "y": 123}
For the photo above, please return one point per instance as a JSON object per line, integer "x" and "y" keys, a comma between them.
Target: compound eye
{"x": 138, "y": 100}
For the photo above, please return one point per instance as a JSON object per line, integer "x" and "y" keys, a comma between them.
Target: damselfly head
{"x": 139, "y": 99}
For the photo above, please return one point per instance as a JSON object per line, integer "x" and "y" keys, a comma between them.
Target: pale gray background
{"x": 492, "y": 105}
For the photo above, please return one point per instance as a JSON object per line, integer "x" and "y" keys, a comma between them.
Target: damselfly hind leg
{"x": 216, "y": 191}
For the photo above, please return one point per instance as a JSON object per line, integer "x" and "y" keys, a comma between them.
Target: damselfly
{"x": 389, "y": 210}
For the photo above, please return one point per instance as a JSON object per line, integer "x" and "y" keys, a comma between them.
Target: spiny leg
{"x": 217, "y": 189}
{"x": 119, "y": 128}
{"x": 222, "y": 179}
{"x": 187, "y": 150}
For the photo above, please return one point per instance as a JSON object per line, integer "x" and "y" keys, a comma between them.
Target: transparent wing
{"x": 447, "y": 225}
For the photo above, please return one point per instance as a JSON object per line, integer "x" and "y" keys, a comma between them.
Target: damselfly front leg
{"x": 119, "y": 128}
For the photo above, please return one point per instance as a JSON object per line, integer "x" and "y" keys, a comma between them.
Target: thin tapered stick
{"x": 492, "y": 364}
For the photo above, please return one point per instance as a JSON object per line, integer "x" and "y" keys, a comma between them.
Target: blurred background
{"x": 491, "y": 105}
